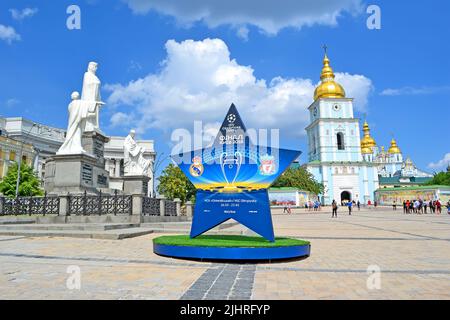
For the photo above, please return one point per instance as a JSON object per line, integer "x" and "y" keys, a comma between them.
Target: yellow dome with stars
{"x": 394, "y": 149}
{"x": 367, "y": 142}
{"x": 328, "y": 88}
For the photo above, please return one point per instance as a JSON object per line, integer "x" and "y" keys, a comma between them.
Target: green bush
{"x": 29, "y": 182}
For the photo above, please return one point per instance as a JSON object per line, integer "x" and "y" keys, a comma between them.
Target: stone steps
{"x": 108, "y": 231}
{"x": 106, "y": 235}
{"x": 18, "y": 221}
{"x": 69, "y": 227}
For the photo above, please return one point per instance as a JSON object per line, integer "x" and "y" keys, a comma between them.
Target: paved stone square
{"x": 412, "y": 253}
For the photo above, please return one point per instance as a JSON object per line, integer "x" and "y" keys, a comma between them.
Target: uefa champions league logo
{"x": 231, "y": 118}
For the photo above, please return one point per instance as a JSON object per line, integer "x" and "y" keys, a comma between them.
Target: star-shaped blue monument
{"x": 232, "y": 177}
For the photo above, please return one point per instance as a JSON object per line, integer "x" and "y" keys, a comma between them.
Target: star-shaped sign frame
{"x": 232, "y": 177}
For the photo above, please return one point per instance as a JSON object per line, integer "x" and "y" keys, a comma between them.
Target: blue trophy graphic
{"x": 230, "y": 166}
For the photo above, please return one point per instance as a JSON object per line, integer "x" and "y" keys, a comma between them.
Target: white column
{"x": 117, "y": 167}
{"x": 36, "y": 163}
{"x": 366, "y": 184}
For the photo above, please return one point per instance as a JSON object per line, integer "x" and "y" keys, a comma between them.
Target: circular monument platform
{"x": 230, "y": 248}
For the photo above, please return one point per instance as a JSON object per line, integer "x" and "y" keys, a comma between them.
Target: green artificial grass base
{"x": 227, "y": 241}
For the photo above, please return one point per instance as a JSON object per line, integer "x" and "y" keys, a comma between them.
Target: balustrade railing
{"x": 100, "y": 204}
{"x": 84, "y": 204}
{"x": 170, "y": 208}
{"x": 151, "y": 206}
{"x": 29, "y": 206}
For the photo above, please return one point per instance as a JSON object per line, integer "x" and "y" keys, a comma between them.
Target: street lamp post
{"x": 20, "y": 161}
{"x": 155, "y": 167}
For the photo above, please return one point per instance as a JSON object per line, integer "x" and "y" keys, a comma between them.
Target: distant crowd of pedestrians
{"x": 414, "y": 206}
{"x": 313, "y": 205}
{"x": 422, "y": 207}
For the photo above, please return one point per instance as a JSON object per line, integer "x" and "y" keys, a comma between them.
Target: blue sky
{"x": 163, "y": 65}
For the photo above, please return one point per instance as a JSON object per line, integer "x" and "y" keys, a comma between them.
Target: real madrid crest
{"x": 196, "y": 169}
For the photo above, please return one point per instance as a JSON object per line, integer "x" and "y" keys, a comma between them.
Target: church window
{"x": 12, "y": 156}
{"x": 314, "y": 144}
{"x": 340, "y": 141}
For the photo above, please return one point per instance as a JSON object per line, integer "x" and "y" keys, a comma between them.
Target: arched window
{"x": 340, "y": 141}
{"x": 314, "y": 149}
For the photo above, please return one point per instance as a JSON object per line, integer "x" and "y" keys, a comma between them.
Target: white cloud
{"x": 120, "y": 119}
{"x": 268, "y": 15}
{"x": 199, "y": 80}
{"x": 8, "y": 34}
{"x": 358, "y": 87}
{"x": 12, "y": 102}
{"x": 134, "y": 66}
{"x": 441, "y": 164}
{"x": 414, "y": 91}
{"x": 22, "y": 14}
{"x": 242, "y": 33}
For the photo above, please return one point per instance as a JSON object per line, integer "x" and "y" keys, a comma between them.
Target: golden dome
{"x": 393, "y": 149}
{"x": 328, "y": 88}
{"x": 367, "y": 142}
{"x": 366, "y": 150}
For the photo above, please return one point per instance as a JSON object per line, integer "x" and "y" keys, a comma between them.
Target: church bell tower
{"x": 334, "y": 154}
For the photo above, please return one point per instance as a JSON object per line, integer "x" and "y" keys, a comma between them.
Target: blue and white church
{"x": 335, "y": 156}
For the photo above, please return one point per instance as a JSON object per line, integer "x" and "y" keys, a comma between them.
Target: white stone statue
{"x": 78, "y": 113}
{"x": 134, "y": 164}
{"x": 91, "y": 95}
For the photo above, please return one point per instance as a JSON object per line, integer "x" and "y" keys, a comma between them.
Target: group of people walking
{"x": 313, "y": 205}
{"x": 309, "y": 206}
{"x": 348, "y": 204}
{"x": 420, "y": 206}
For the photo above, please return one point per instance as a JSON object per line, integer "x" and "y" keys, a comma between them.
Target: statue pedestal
{"x": 135, "y": 185}
{"x": 93, "y": 143}
{"x": 74, "y": 173}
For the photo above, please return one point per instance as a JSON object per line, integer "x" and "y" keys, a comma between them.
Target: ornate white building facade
{"x": 390, "y": 163}
{"x": 334, "y": 155}
{"x": 45, "y": 140}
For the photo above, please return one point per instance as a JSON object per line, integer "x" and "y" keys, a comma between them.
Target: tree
{"x": 299, "y": 178}
{"x": 173, "y": 183}
{"x": 29, "y": 182}
{"x": 440, "y": 179}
